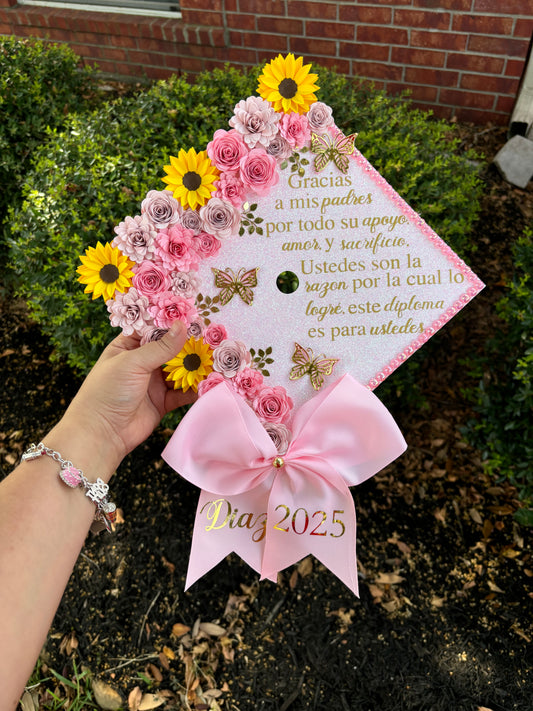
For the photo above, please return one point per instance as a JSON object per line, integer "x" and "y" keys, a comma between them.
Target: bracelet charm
{"x": 70, "y": 476}
{"x": 106, "y": 511}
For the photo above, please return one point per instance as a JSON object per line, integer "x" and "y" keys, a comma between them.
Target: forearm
{"x": 43, "y": 526}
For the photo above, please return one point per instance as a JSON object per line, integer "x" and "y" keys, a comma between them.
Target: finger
{"x": 156, "y": 353}
{"x": 118, "y": 345}
{"x": 177, "y": 398}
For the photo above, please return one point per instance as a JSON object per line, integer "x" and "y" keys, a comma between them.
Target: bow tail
{"x": 308, "y": 513}
{"x": 227, "y": 524}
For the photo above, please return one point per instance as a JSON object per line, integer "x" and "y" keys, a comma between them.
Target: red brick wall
{"x": 461, "y": 58}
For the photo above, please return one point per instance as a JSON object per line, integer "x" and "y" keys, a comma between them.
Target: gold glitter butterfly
{"x": 336, "y": 149}
{"x": 241, "y": 283}
{"x": 316, "y": 368}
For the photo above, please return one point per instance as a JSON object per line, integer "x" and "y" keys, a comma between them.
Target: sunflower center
{"x": 109, "y": 273}
{"x": 192, "y": 361}
{"x": 288, "y": 88}
{"x": 192, "y": 180}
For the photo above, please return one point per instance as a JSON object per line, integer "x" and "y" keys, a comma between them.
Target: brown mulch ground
{"x": 445, "y": 618}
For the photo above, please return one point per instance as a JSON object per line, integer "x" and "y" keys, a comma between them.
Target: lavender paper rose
{"x": 231, "y": 357}
{"x": 279, "y": 434}
{"x": 220, "y": 218}
{"x": 161, "y": 208}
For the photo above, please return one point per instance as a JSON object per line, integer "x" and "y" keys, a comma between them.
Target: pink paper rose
{"x": 150, "y": 279}
{"x": 255, "y": 119}
{"x": 279, "y": 434}
{"x": 273, "y": 404}
{"x": 135, "y": 238}
{"x": 212, "y": 380}
{"x": 248, "y": 382}
{"x": 129, "y": 311}
{"x": 320, "y": 117}
{"x": 205, "y": 245}
{"x": 161, "y": 208}
{"x": 229, "y": 187}
{"x": 168, "y": 308}
{"x": 174, "y": 247}
{"x": 220, "y": 217}
{"x": 214, "y": 334}
{"x": 259, "y": 171}
{"x": 231, "y": 357}
{"x": 226, "y": 150}
{"x": 295, "y": 129}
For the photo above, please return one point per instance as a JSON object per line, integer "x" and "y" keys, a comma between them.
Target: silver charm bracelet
{"x": 106, "y": 511}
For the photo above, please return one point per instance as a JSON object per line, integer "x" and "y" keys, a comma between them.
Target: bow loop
{"x": 273, "y": 511}
{"x": 220, "y": 445}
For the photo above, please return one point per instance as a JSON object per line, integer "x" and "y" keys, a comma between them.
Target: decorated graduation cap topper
{"x": 304, "y": 280}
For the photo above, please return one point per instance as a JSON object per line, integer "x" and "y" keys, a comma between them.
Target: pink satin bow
{"x": 274, "y": 511}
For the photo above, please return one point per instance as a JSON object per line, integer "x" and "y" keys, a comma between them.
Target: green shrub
{"x": 504, "y": 430}
{"x": 39, "y": 84}
{"x": 97, "y": 171}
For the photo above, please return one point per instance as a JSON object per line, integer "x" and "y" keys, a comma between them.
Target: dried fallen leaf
{"x": 151, "y": 701}
{"x": 487, "y": 528}
{"x": 134, "y": 698}
{"x": 212, "y": 629}
{"x": 68, "y": 644}
{"x": 388, "y": 579}
{"x": 29, "y": 702}
{"x": 392, "y": 605}
{"x": 403, "y": 547}
{"x": 494, "y": 587}
{"x": 437, "y": 601}
{"x": 376, "y": 592}
{"x": 305, "y": 567}
{"x": 504, "y": 510}
{"x": 168, "y": 565}
{"x": 293, "y": 580}
{"x": 163, "y": 660}
{"x": 440, "y": 514}
{"x": 475, "y": 516}
{"x": 510, "y": 553}
{"x": 154, "y": 672}
{"x": 106, "y": 696}
{"x": 169, "y": 653}
{"x": 178, "y": 630}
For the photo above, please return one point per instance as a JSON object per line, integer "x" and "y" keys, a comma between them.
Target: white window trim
{"x": 102, "y": 8}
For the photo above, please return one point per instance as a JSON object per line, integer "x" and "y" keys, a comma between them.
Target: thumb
{"x": 156, "y": 353}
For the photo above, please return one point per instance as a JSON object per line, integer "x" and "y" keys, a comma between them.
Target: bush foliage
{"x": 91, "y": 175}
{"x": 504, "y": 430}
{"x": 40, "y": 83}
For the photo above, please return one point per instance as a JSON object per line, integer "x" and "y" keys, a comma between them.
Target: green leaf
{"x": 524, "y": 517}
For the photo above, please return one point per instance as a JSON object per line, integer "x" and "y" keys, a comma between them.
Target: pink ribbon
{"x": 270, "y": 512}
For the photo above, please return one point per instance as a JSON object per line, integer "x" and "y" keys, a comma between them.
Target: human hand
{"x": 125, "y": 395}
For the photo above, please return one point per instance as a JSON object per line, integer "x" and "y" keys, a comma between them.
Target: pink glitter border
{"x": 477, "y": 284}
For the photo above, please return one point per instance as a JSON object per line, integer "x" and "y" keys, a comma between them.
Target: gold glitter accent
{"x": 278, "y": 462}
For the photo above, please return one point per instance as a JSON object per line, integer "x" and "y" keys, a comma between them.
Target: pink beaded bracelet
{"x": 106, "y": 511}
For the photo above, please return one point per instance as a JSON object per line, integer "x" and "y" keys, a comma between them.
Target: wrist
{"x": 93, "y": 451}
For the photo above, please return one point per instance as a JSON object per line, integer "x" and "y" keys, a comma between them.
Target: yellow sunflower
{"x": 192, "y": 364}
{"x": 105, "y": 270}
{"x": 288, "y": 85}
{"x": 190, "y": 176}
